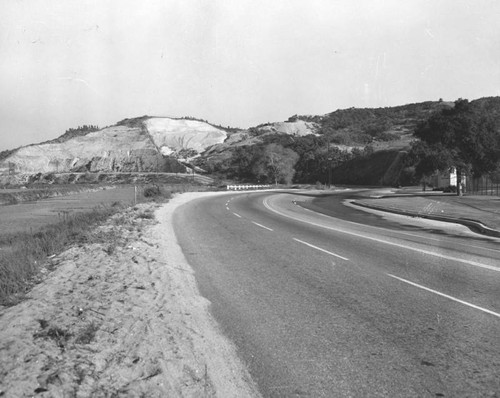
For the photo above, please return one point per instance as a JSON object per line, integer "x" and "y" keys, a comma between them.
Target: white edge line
{"x": 446, "y": 296}
{"x": 320, "y": 249}
{"x": 262, "y": 226}
{"x": 237, "y": 215}
{"x": 463, "y": 261}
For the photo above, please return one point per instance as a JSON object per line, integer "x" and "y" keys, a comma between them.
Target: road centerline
{"x": 320, "y": 249}
{"x": 446, "y": 296}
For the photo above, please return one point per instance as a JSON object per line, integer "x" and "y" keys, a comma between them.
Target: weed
{"x": 58, "y": 335}
{"x": 43, "y": 323}
{"x": 148, "y": 215}
{"x": 87, "y": 334}
{"x": 110, "y": 249}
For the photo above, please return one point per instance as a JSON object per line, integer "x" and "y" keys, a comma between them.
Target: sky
{"x": 238, "y": 63}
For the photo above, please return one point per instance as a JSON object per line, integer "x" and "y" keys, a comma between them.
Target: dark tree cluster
{"x": 466, "y": 137}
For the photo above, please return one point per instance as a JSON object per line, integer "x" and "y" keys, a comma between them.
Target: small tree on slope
{"x": 276, "y": 163}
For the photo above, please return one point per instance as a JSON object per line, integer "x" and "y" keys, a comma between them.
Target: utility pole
{"x": 329, "y": 171}
{"x": 329, "y": 164}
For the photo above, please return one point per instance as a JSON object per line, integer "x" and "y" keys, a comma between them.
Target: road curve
{"x": 322, "y": 306}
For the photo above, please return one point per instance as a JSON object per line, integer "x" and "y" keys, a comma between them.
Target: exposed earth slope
{"x": 143, "y": 144}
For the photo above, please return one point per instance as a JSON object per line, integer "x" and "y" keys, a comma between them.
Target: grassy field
{"x": 31, "y": 216}
{"x": 10, "y": 196}
{"x": 32, "y": 232}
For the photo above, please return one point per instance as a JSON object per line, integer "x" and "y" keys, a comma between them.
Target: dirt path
{"x": 121, "y": 316}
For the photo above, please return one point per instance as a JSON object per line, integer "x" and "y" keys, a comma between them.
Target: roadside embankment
{"x": 119, "y": 315}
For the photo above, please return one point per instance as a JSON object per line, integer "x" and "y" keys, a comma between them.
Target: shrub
{"x": 151, "y": 191}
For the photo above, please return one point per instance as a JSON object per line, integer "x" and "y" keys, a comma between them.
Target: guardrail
{"x": 243, "y": 187}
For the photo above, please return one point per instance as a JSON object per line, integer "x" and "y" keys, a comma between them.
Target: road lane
{"x": 439, "y": 266}
{"x": 312, "y": 324}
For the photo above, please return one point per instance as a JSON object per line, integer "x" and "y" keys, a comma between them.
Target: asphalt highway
{"x": 346, "y": 303}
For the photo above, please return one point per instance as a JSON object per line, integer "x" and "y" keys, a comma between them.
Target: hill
{"x": 373, "y": 142}
{"x": 132, "y": 145}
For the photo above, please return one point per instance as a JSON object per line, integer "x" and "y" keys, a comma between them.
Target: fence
{"x": 244, "y": 187}
{"x": 484, "y": 185}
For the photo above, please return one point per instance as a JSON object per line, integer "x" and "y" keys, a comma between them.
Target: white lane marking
{"x": 320, "y": 249}
{"x": 237, "y": 215}
{"x": 446, "y": 296}
{"x": 460, "y": 260}
{"x": 227, "y": 208}
{"x": 262, "y": 226}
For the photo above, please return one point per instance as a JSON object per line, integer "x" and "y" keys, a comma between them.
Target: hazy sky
{"x": 64, "y": 63}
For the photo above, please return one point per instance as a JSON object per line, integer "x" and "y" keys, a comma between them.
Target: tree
{"x": 241, "y": 163}
{"x": 463, "y": 137}
{"x": 275, "y": 163}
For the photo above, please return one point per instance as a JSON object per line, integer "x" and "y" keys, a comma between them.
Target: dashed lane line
{"x": 320, "y": 249}
{"x": 262, "y": 226}
{"x": 446, "y": 296}
{"x": 237, "y": 215}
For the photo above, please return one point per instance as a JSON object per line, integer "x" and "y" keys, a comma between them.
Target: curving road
{"x": 346, "y": 304}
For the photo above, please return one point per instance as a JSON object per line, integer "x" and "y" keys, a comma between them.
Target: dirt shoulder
{"x": 120, "y": 315}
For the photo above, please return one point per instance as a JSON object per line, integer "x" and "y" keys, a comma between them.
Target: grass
{"x": 23, "y": 254}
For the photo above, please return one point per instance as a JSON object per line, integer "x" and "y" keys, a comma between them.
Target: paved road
{"x": 322, "y": 306}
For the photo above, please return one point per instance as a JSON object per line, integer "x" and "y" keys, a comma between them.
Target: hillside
{"x": 152, "y": 144}
{"x": 133, "y": 145}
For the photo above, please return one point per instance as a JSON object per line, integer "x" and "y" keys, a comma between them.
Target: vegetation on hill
{"x": 362, "y": 126}
{"x": 353, "y": 128}
{"x": 5, "y": 154}
{"x": 72, "y": 133}
{"x": 374, "y": 168}
{"x": 479, "y": 150}
{"x": 133, "y": 122}
{"x": 311, "y": 155}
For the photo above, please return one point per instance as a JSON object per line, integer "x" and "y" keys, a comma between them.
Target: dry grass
{"x": 23, "y": 254}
